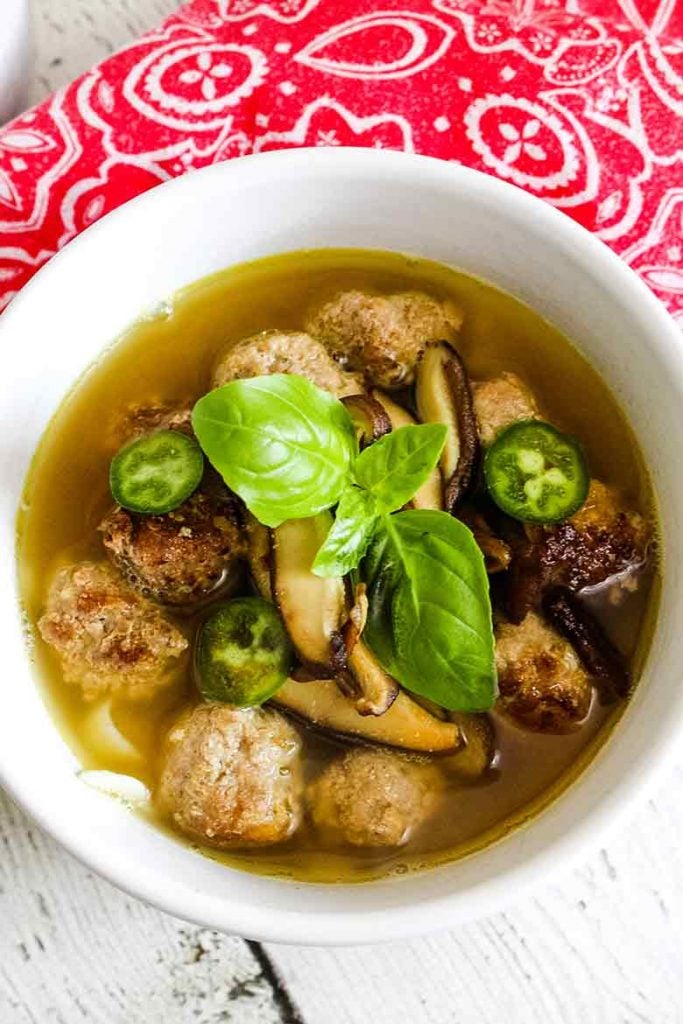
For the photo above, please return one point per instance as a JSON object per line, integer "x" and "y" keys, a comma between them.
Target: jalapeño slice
{"x": 243, "y": 653}
{"x": 535, "y": 473}
{"x": 156, "y": 473}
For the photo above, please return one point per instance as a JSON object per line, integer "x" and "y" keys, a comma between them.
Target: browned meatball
{"x": 542, "y": 683}
{"x": 383, "y": 335}
{"x": 107, "y": 637}
{"x": 231, "y": 777}
{"x": 139, "y": 420}
{"x": 372, "y": 797}
{"x": 500, "y": 402}
{"x": 603, "y": 541}
{"x": 180, "y": 557}
{"x": 285, "y": 352}
{"x": 603, "y": 511}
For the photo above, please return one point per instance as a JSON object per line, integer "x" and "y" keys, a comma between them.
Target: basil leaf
{"x": 394, "y": 468}
{"x": 281, "y": 443}
{"x": 429, "y": 621}
{"x": 350, "y": 535}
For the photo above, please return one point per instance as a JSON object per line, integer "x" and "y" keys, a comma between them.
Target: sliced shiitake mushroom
{"x": 478, "y": 752}
{"x": 430, "y": 495}
{"x": 357, "y": 618}
{"x": 313, "y": 607}
{"x": 431, "y": 707}
{"x": 405, "y": 725}
{"x": 527, "y": 574}
{"x": 361, "y": 677}
{"x": 369, "y": 418}
{"x": 258, "y": 556}
{"x": 599, "y": 656}
{"x": 377, "y": 690}
{"x": 497, "y": 552}
{"x": 443, "y": 395}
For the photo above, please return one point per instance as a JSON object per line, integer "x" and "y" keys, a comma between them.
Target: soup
{"x": 340, "y": 771}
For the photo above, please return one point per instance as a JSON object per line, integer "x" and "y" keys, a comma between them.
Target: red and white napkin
{"x": 577, "y": 101}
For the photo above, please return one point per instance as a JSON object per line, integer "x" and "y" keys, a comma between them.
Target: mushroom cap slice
{"x": 369, "y": 418}
{"x": 496, "y": 551}
{"x": 479, "y": 747}
{"x": 376, "y": 689}
{"x": 570, "y": 616}
{"x": 313, "y": 607}
{"x": 360, "y": 675}
{"x": 405, "y": 724}
{"x": 443, "y": 395}
{"x": 258, "y": 556}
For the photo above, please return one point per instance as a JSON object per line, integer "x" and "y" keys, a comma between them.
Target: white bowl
{"x": 299, "y": 199}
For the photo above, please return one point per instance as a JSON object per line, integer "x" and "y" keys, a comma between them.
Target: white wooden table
{"x": 604, "y": 945}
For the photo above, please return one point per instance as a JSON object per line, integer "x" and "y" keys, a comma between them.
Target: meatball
{"x": 542, "y": 683}
{"x": 285, "y": 352}
{"x": 231, "y": 777}
{"x": 139, "y": 420}
{"x": 500, "y": 402}
{"x": 603, "y": 512}
{"x": 602, "y": 542}
{"x": 107, "y": 637}
{"x": 383, "y": 335}
{"x": 183, "y": 556}
{"x": 371, "y": 797}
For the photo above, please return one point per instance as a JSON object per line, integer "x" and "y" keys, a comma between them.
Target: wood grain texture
{"x": 73, "y": 948}
{"x": 71, "y": 35}
{"x": 603, "y": 945}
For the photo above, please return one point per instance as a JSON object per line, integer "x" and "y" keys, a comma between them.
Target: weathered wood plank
{"x": 602, "y": 946}
{"x": 71, "y": 35}
{"x": 74, "y": 948}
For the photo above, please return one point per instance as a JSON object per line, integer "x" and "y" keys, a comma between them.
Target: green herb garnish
{"x": 350, "y": 535}
{"x": 430, "y": 613}
{"x": 284, "y": 445}
{"x": 289, "y": 450}
{"x": 394, "y": 468}
{"x": 387, "y": 475}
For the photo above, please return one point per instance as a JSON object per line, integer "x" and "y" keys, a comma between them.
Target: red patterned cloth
{"x": 577, "y": 101}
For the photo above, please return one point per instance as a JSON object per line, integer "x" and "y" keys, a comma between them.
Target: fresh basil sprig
{"x": 350, "y": 535}
{"x": 388, "y": 473}
{"x": 429, "y": 622}
{"x": 394, "y": 468}
{"x": 281, "y": 443}
{"x": 289, "y": 450}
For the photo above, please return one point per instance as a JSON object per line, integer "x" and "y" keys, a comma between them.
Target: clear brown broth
{"x": 168, "y": 357}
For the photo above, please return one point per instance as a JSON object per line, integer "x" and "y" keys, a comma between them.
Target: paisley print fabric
{"x": 578, "y": 101}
